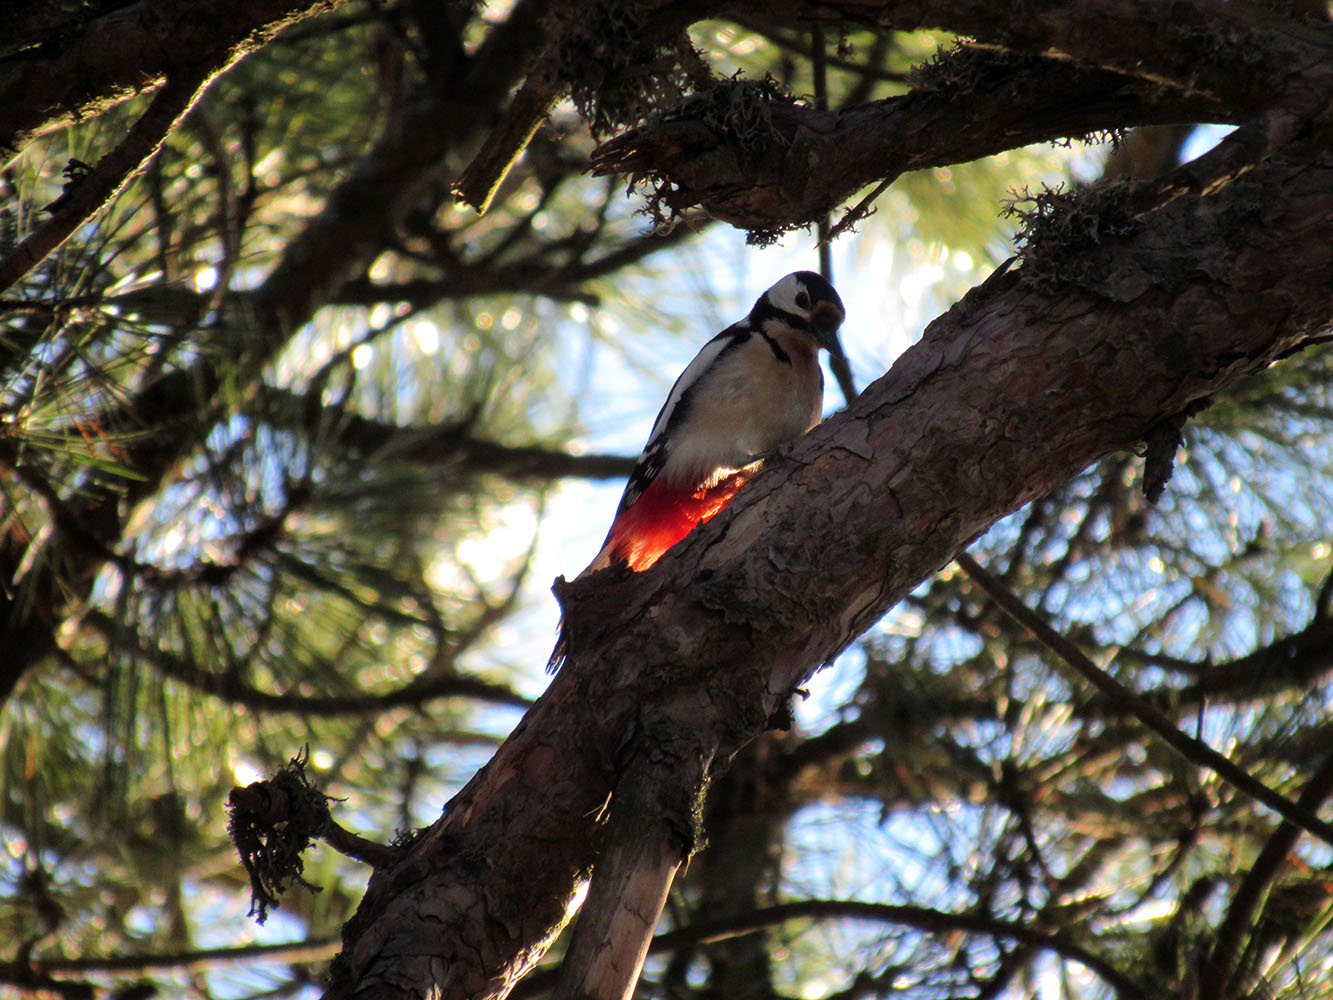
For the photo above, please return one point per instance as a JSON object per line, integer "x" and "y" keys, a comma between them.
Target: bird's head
{"x": 804, "y": 300}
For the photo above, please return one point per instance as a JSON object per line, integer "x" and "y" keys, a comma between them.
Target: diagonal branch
{"x": 921, "y": 918}
{"x": 808, "y": 161}
{"x": 1027, "y": 380}
{"x": 83, "y": 69}
{"x": 1217, "y": 974}
{"x": 88, "y": 192}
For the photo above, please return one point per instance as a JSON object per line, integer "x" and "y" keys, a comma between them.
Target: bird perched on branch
{"x": 754, "y": 386}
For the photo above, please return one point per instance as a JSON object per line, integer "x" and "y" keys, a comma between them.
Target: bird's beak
{"x": 825, "y": 320}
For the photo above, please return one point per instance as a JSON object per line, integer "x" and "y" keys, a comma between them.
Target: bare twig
{"x": 859, "y": 211}
{"x": 477, "y": 184}
{"x": 232, "y": 690}
{"x": 357, "y": 847}
{"x": 313, "y": 950}
{"x": 838, "y": 363}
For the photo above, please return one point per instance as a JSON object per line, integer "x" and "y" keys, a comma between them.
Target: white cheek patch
{"x": 783, "y": 294}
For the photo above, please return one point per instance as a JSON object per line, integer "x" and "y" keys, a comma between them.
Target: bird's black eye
{"x": 803, "y": 300}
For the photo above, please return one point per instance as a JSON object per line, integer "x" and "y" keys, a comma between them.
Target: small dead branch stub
{"x": 272, "y": 823}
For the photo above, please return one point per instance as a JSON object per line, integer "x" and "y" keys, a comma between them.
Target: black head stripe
{"x": 765, "y": 310}
{"x": 819, "y": 289}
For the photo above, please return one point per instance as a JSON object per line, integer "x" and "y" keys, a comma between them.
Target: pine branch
{"x": 295, "y": 952}
{"x": 128, "y": 48}
{"x": 91, "y": 188}
{"x": 453, "y": 443}
{"x": 921, "y": 918}
{"x": 1217, "y": 974}
{"x": 810, "y": 161}
{"x": 229, "y": 688}
{"x": 1195, "y": 751}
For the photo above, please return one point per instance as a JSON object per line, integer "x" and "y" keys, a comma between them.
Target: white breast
{"x": 747, "y": 404}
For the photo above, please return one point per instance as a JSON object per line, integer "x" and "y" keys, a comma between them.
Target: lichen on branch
{"x": 272, "y": 823}
{"x": 733, "y": 129}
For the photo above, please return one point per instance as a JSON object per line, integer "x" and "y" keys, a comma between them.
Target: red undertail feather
{"x": 663, "y": 516}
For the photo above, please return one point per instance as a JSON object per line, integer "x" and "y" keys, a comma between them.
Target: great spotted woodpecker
{"x": 754, "y": 386}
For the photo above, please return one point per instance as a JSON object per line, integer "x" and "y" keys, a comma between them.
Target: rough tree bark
{"x": 1030, "y": 378}
{"x": 1027, "y": 380}
{"x": 1122, "y": 314}
{"x": 1105, "y": 331}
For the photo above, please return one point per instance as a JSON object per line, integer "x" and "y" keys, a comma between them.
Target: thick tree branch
{"x": 1192, "y": 48}
{"x": 1060, "y": 70}
{"x": 82, "y": 70}
{"x": 807, "y": 162}
{"x": 1030, "y": 378}
{"x": 652, "y": 832}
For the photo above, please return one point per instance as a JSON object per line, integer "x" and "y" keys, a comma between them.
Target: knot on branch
{"x": 727, "y": 148}
{"x": 1160, "y": 444}
{"x": 272, "y": 823}
{"x": 584, "y": 602}
{"x": 75, "y": 173}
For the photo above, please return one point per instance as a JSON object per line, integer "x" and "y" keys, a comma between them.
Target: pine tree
{"x": 282, "y": 410}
